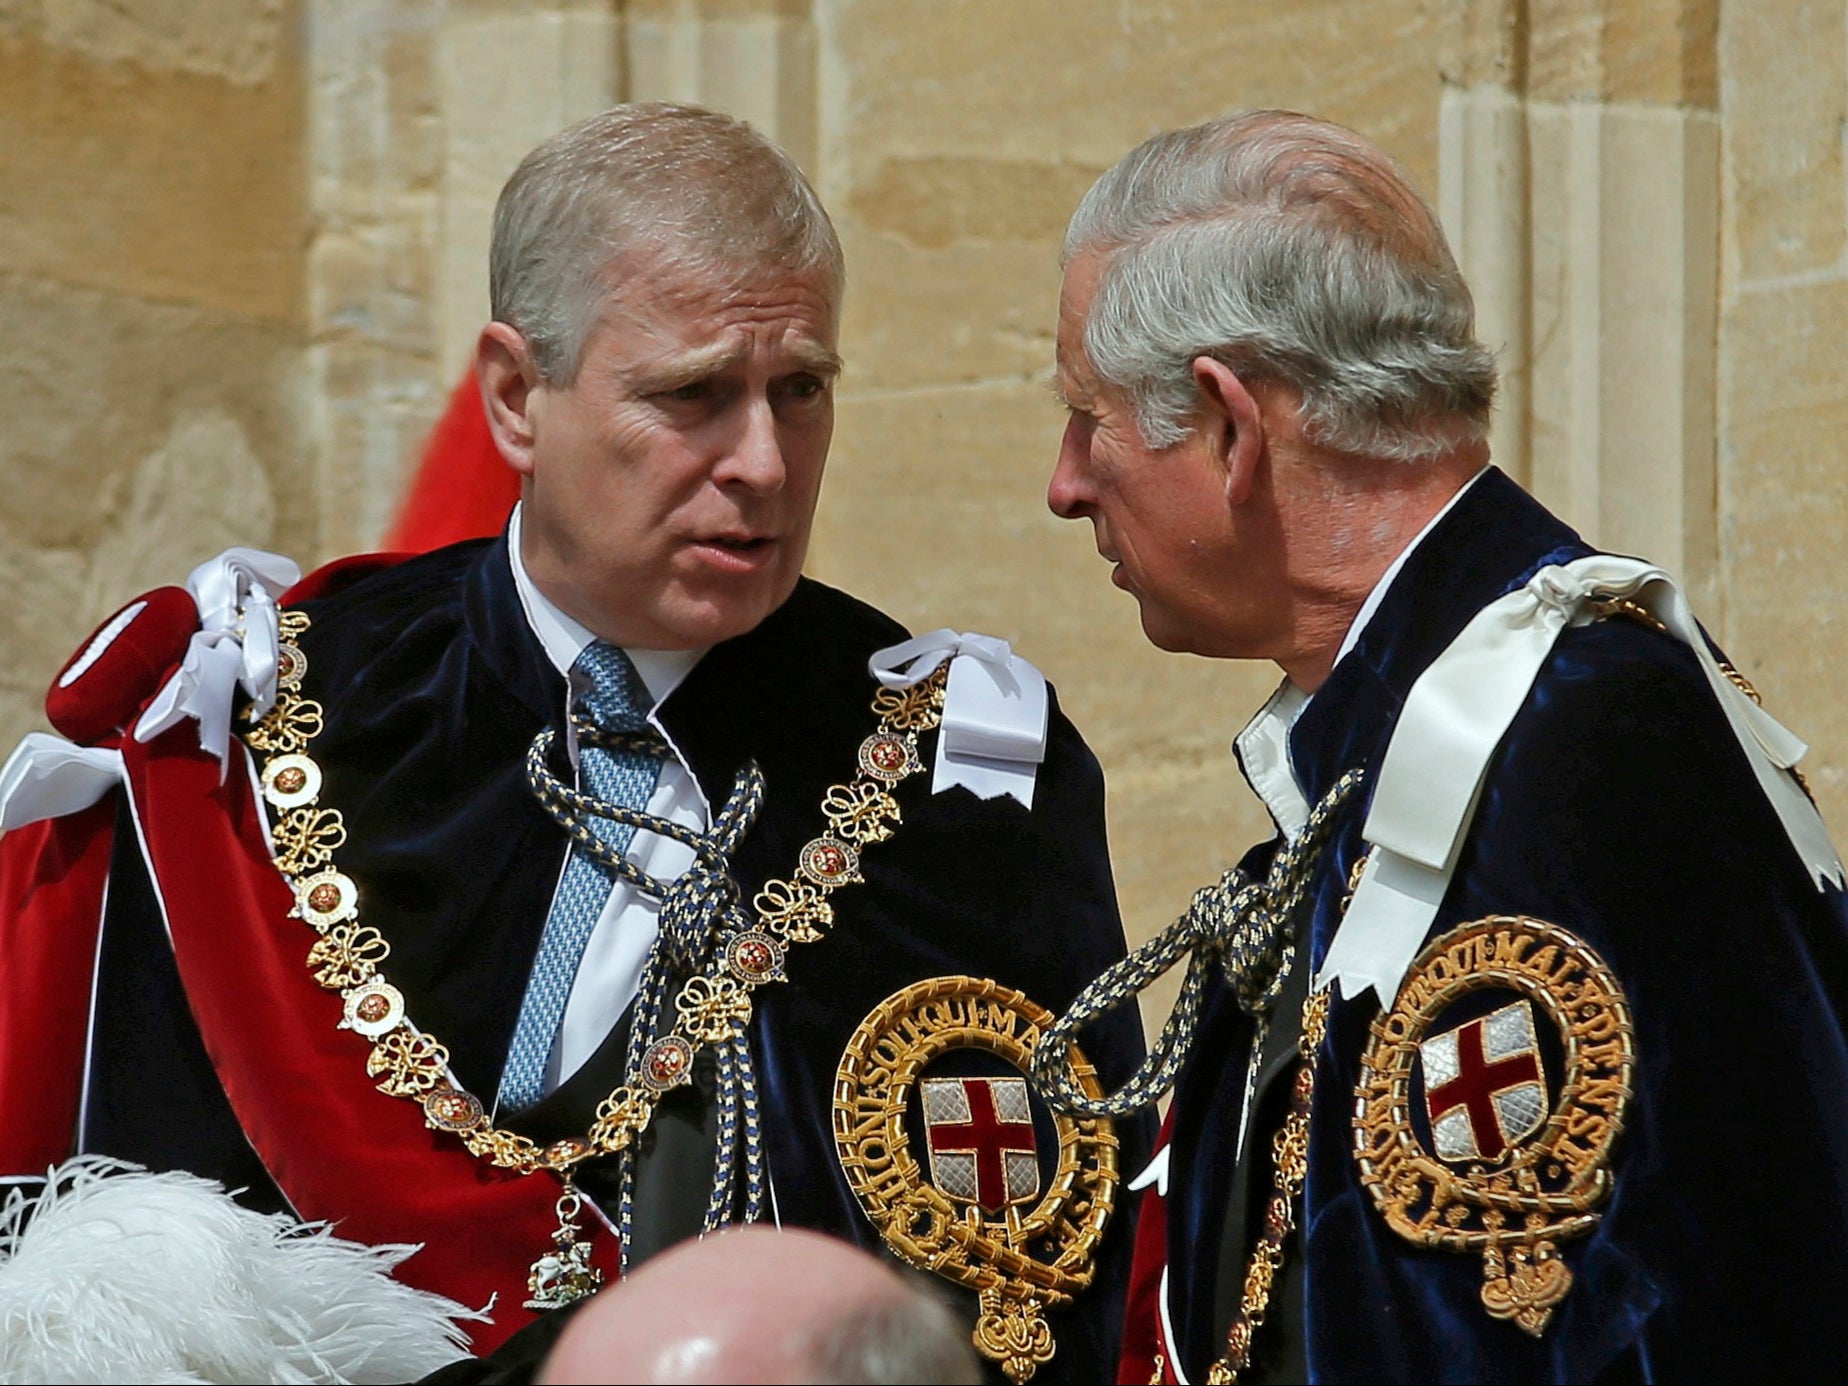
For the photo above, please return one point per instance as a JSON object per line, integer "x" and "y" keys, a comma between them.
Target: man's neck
{"x": 1367, "y": 518}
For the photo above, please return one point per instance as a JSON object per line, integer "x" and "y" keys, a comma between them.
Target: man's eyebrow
{"x": 684, "y": 368}
{"x": 695, "y": 365}
{"x": 1070, "y": 397}
{"x": 817, "y": 359}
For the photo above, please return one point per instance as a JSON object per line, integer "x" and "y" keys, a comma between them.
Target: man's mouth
{"x": 738, "y": 552}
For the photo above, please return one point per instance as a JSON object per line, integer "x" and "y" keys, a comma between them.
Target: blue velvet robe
{"x": 1619, "y": 807}
{"x": 434, "y": 687}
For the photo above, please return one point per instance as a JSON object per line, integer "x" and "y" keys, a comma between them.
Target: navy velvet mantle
{"x": 434, "y": 687}
{"x": 1620, "y": 808}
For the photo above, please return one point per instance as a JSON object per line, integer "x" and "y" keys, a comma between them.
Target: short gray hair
{"x": 908, "y": 1336}
{"x": 704, "y": 189}
{"x": 1290, "y": 249}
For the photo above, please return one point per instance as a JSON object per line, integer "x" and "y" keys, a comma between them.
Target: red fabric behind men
{"x": 52, "y": 876}
{"x": 339, "y": 1150}
{"x": 463, "y": 489}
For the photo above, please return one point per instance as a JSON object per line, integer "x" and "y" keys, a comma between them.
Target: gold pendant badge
{"x": 981, "y": 1210}
{"x": 1463, "y": 1142}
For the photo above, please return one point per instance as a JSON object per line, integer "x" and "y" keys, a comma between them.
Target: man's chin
{"x": 712, "y": 618}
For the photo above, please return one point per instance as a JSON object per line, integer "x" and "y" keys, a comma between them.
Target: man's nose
{"x": 755, "y": 459}
{"x": 1068, "y": 493}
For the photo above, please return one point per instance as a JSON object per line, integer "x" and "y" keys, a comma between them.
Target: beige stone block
{"x": 1785, "y": 493}
{"x": 1658, "y": 51}
{"x": 374, "y": 280}
{"x": 667, "y": 11}
{"x": 961, "y": 314}
{"x": 1484, "y": 203}
{"x": 372, "y": 408}
{"x": 1786, "y": 94}
{"x": 174, "y": 187}
{"x": 507, "y": 83}
{"x": 144, "y": 438}
{"x": 104, "y": 382}
{"x": 936, "y": 202}
{"x": 39, "y": 634}
{"x": 1483, "y": 43}
{"x": 421, "y": 129}
{"x": 1049, "y": 80}
{"x": 201, "y": 491}
{"x": 239, "y": 41}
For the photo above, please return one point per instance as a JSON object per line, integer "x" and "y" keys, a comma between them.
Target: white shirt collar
{"x": 564, "y": 638}
{"x": 1264, "y": 744}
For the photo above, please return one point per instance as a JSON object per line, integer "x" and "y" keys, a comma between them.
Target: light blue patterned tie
{"x": 616, "y": 701}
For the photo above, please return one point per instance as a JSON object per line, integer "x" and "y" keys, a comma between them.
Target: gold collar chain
{"x": 711, "y": 1007}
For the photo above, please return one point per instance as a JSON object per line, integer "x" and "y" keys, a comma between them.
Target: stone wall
{"x": 153, "y": 210}
{"x": 244, "y": 241}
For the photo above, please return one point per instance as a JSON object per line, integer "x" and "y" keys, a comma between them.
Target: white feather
{"x": 114, "y": 1274}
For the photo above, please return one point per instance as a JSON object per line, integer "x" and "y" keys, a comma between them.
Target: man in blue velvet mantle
{"x": 534, "y": 902}
{"x": 1521, "y": 1049}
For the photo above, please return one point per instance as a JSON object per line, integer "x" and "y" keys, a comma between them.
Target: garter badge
{"x": 1011, "y": 1198}
{"x": 1491, "y": 1098}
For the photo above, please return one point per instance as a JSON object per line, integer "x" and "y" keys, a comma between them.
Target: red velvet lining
{"x": 52, "y": 877}
{"x": 338, "y": 1148}
{"x": 1142, "y": 1335}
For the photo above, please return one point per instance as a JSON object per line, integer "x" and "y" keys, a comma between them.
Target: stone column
{"x": 419, "y": 109}
{"x": 1783, "y": 410}
{"x": 755, "y": 59}
{"x": 1581, "y": 185}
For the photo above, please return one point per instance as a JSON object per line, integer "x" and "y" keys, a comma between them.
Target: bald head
{"x": 755, "y": 1304}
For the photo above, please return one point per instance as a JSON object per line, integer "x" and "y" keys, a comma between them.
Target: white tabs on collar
{"x": 236, "y": 644}
{"x": 1455, "y": 717}
{"x": 1264, "y": 753}
{"x": 995, "y": 710}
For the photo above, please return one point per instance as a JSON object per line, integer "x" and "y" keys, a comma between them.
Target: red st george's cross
{"x": 974, "y": 1126}
{"x": 1490, "y": 1070}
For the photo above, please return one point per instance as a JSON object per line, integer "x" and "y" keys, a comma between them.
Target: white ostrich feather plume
{"x": 110, "y": 1273}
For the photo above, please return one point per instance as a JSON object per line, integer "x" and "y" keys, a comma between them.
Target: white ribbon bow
{"x": 993, "y": 735}
{"x": 47, "y": 777}
{"x": 1456, "y": 716}
{"x": 236, "y": 643}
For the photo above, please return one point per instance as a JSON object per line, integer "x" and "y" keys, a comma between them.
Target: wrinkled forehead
{"x": 670, "y": 276}
{"x": 1077, "y": 290}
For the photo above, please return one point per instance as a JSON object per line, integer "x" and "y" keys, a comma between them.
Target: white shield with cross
{"x": 983, "y": 1152}
{"x": 1484, "y": 1087}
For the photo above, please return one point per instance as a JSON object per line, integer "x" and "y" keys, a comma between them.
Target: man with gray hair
{"x": 603, "y": 841}
{"x": 1518, "y": 1053}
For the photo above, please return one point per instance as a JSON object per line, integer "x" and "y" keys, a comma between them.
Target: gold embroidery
{"x": 1536, "y": 1185}
{"x": 1019, "y": 1263}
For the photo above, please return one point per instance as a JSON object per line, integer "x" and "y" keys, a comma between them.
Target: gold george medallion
{"x": 978, "y": 1210}
{"x": 1493, "y": 1157}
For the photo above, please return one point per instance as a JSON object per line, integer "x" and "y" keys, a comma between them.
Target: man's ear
{"x": 1234, "y": 423}
{"x": 510, "y": 388}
